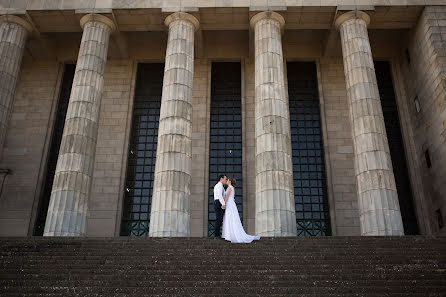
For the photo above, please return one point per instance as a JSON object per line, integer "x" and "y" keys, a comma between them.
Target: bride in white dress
{"x": 232, "y": 226}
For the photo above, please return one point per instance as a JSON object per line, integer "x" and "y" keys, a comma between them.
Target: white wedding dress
{"x": 232, "y": 226}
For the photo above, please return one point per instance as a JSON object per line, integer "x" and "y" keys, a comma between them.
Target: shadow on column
{"x": 56, "y": 138}
{"x": 396, "y": 146}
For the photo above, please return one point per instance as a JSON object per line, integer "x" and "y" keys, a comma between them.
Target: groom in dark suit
{"x": 219, "y": 203}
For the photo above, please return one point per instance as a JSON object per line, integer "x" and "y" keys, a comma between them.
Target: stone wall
{"x": 200, "y": 148}
{"x": 338, "y": 149}
{"x": 248, "y": 130}
{"x": 27, "y": 140}
{"x": 111, "y": 150}
{"x": 424, "y": 78}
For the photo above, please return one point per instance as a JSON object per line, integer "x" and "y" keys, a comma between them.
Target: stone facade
{"x": 423, "y": 66}
{"x": 224, "y": 34}
{"x": 111, "y": 150}
{"x": 26, "y": 144}
{"x": 200, "y": 152}
{"x": 339, "y": 147}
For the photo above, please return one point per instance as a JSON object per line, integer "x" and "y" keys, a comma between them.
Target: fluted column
{"x": 170, "y": 214}
{"x": 378, "y": 200}
{"x": 67, "y": 212}
{"x": 275, "y": 210}
{"x": 13, "y": 33}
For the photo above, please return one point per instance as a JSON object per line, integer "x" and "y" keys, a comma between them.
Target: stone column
{"x": 13, "y": 33}
{"x": 377, "y": 195}
{"x": 170, "y": 214}
{"x": 275, "y": 210}
{"x": 68, "y": 208}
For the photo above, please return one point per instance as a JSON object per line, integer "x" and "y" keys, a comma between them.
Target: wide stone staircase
{"x": 135, "y": 267}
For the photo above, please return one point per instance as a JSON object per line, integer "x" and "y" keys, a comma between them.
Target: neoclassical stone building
{"x": 116, "y": 117}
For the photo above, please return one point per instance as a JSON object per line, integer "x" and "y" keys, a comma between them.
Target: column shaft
{"x": 68, "y": 208}
{"x": 275, "y": 211}
{"x": 13, "y": 34}
{"x": 377, "y": 195}
{"x": 170, "y": 214}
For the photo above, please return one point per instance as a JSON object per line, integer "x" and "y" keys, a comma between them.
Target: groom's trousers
{"x": 219, "y": 219}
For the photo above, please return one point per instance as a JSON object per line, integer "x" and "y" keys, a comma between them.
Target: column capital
{"x": 182, "y": 16}
{"x": 16, "y": 20}
{"x": 94, "y": 17}
{"x": 354, "y": 14}
{"x": 267, "y": 15}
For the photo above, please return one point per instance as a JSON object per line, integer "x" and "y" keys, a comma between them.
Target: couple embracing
{"x": 227, "y": 213}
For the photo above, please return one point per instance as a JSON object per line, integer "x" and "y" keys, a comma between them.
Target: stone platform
{"x": 321, "y": 266}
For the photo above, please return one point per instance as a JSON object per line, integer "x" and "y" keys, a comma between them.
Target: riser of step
{"x": 356, "y": 240}
{"x": 227, "y": 288}
{"x": 129, "y": 272}
{"x": 233, "y": 264}
{"x": 213, "y": 283}
{"x": 218, "y": 243}
{"x": 366, "y": 294}
{"x": 213, "y": 254}
{"x": 294, "y": 250}
{"x": 222, "y": 245}
{"x": 219, "y": 276}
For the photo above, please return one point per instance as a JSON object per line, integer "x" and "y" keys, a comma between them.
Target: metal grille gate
{"x": 142, "y": 150}
{"x": 225, "y": 148}
{"x": 310, "y": 184}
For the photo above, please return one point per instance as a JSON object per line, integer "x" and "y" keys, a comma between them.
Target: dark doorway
{"x": 396, "y": 145}
{"x": 310, "y": 183}
{"x": 142, "y": 150}
{"x": 56, "y": 138}
{"x": 225, "y": 147}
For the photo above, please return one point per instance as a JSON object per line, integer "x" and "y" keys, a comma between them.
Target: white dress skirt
{"x": 232, "y": 226}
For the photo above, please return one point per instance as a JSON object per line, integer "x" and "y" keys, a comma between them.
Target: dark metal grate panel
{"x": 310, "y": 184}
{"x": 396, "y": 146}
{"x": 56, "y": 138}
{"x": 225, "y": 148}
{"x": 142, "y": 150}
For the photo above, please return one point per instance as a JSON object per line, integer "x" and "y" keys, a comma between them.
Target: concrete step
{"x": 310, "y": 267}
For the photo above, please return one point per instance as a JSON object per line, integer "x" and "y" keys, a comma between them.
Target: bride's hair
{"x": 233, "y": 181}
